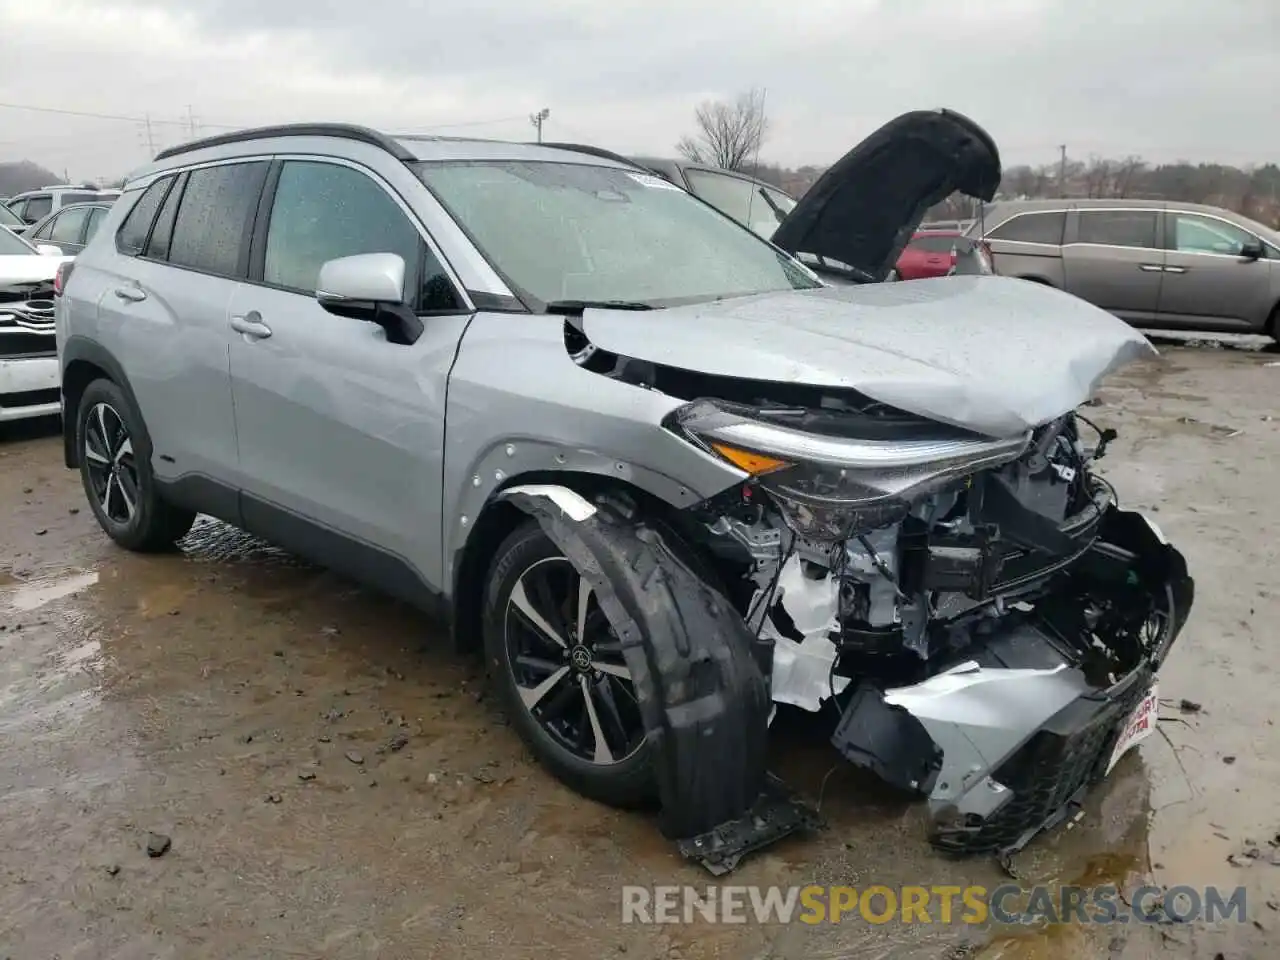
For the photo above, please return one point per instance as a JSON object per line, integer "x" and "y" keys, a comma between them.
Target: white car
{"x": 28, "y": 357}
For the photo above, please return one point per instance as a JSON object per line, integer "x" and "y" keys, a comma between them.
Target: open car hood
{"x": 990, "y": 354}
{"x": 863, "y": 210}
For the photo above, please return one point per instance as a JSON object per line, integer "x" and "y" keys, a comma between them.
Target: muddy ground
{"x": 336, "y": 783}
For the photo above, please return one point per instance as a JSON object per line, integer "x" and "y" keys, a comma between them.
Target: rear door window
{"x": 1118, "y": 228}
{"x": 38, "y": 208}
{"x": 1044, "y": 227}
{"x": 936, "y": 244}
{"x": 215, "y": 217}
{"x": 44, "y": 231}
{"x": 96, "y": 216}
{"x": 68, "y": 226}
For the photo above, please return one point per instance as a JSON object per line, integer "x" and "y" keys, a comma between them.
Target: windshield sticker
{"x": 650, "y": 180}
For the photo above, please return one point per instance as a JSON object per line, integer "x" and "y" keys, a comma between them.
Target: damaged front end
{"x": 986, "y": 620}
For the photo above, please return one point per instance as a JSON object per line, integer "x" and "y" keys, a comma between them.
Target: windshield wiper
{"x": 575, "y": 307}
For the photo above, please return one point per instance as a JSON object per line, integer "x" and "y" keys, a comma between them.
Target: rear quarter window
{"x": 132, "y": 236}
{"x": 1032, "y": 228}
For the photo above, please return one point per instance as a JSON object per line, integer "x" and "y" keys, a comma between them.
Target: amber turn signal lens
{"x": 753, "y": 463}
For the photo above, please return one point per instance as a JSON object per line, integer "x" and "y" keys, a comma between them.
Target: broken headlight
{"x": 834, "y": 487}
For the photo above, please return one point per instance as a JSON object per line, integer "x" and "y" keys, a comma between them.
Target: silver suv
{"x": 1150, "y": 262}
{"x": 662, "y": 474}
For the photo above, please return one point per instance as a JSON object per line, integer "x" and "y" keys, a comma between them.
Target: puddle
{"x": 34, "y": 594}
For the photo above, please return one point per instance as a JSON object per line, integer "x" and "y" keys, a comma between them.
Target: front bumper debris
{"x": 1007, "y": 742}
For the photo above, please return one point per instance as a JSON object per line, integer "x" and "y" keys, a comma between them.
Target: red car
{"x": 932, "y": 253}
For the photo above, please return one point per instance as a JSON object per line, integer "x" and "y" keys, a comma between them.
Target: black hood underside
{"x": 863, "y": 210}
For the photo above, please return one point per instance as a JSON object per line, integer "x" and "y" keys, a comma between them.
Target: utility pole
{"x": 538, "y": 119}
{"x": 191, "y": 122}
{"x": 151, "y": 139}
{"x": 1062, "y": 170}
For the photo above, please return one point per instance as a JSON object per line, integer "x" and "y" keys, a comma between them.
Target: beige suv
{"x": 1150, "y": 262}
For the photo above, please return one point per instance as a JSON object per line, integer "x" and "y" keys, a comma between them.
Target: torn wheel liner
{"x": 703, "y": 699}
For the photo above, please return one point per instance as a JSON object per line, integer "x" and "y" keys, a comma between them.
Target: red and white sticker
{"x": 1140, "y": 725}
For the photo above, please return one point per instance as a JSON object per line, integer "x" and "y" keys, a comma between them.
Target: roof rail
{"x": 344, "y": 131}
{"x": 591, "y": 151}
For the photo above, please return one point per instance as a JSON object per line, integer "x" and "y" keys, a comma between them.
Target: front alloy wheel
{"x": 558, "y": 666}
{"x": 567, "y": 665}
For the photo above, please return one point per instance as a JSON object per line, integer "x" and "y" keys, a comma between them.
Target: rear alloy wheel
{"x": 560, "y": 667}
{"x": 117, "y": 476}
{"x": 110, "y": 464}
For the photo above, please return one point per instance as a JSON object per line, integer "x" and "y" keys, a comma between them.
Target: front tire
{"x": 115, "y": 468}
{"x": 559, "y": 670}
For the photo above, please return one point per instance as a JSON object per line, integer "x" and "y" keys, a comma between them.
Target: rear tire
{"x": 570, "y": 697}
{"x": 115, "y": 468}
{"x": 1272, "y": 328}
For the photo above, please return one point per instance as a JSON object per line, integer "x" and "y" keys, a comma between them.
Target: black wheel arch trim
{"x": 78, "y": 349}
{"x": 703, "y": 697}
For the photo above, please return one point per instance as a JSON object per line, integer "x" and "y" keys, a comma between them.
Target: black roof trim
{"x": 592, "y": 151}
{"x": 343, "y": 131}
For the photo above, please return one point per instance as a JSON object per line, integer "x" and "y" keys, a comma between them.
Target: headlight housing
{"x": 834, "y": 487}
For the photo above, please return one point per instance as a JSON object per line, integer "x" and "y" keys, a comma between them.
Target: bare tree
{"x": 729, "y": 134}
{"x": 1097, "y": 175}
{"x": 1126, "y": 171}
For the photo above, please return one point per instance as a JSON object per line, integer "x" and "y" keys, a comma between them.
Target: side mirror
{"x": 48, "y": 250}
{"x": 369, "y": 287}
{"x": 1252, "y": 250}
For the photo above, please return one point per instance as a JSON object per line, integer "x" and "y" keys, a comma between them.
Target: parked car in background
{"x": 34, "y": 205}
{"x": 1153, "y": 263}
{"x": 11, "y": 220}
{"x": 28, "y": 361}
{"x": 70, "y": 228}
{"x": 940, "y": 253}
{"x": 753, "y": 203}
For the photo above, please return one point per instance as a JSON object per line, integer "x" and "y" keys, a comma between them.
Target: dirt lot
{"x": 336, "y": 783}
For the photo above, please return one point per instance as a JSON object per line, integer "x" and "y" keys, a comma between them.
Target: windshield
{"x": 12, "y": 245}
{"x": 8, "y": 218}
{"x": 578, "y": 232}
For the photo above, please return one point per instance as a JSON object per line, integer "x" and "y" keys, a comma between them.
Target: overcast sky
{"x": 1166, "y": 79}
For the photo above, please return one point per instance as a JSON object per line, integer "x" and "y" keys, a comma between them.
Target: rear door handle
{"x": 131, "y": 294}
{"x": 251, "y": 325}
{"x": 1175, "y": 269}
{"x": 1151, "y": 267}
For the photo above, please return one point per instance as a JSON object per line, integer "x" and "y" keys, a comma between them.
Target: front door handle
{"x": 1175, "y": 269}
{"x": 251, "y": 325}
{"x": 1150, "y": 267}
{"x": 131, "y": 294}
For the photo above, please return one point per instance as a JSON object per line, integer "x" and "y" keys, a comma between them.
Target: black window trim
{"x": 262, "y": 222}
{"x": 179, "y": 183}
